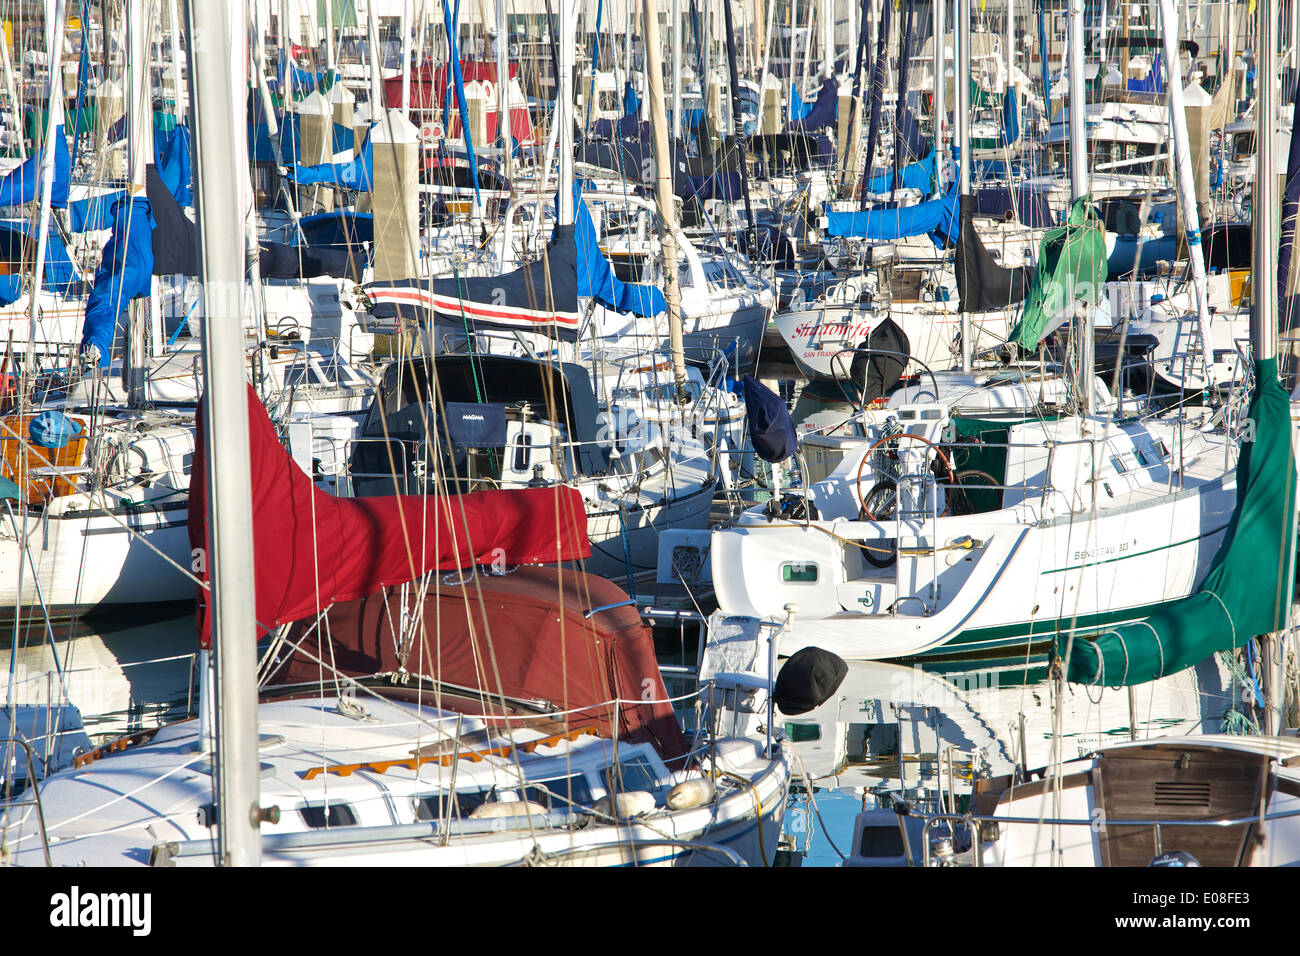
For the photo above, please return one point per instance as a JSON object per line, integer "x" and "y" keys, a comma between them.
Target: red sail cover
{"x": 525, "y": 635}
{"x": 312, "y": 549}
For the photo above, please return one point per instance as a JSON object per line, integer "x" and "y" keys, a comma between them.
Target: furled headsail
{"x": 1071, "y": 268}
{"x": 1235, "y": 602}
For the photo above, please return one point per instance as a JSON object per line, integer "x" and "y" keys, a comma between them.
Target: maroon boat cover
{"x": 523, "y": 634}
{"x": 312, "y": 549}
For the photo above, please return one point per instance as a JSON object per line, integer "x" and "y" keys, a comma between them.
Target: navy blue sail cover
{"x": 824, "y": 110}
{"x": 540, "y": 296}
{"x": 770, "y": 428}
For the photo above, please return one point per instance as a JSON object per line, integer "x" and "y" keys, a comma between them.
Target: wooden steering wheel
{"x": 952, "y": 475}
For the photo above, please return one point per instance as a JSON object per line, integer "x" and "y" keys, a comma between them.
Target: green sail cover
{"x": 1071, "y": 266}
{"x": 1248, "y": 589}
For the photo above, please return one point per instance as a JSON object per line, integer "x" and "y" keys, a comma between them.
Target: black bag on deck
{"x": 807, "y": 680}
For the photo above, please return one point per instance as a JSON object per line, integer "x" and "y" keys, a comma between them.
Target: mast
{"x": 1079, "y": 188}
{"x": 1263, "y": 332}
{"x": 15, "y": 101}
{"x": 178, "y": 89}
{"x": 218, "y": 78}
{"x": 940, "y": 122}
{"x": 678, "y": 125}
{"x": 139, "y": 146}
{"x": 329, "y": 38}
{"x": 406, "y": 60}
{"x": 503, "y": 92}
{"x": 737, "y": 120}
{"x": 654, "y": 74}
{"x": 828, "y": 38}
{"x": 563, "y": 114}
{"x": 54, "y": 17}
{"x": 1264, "y": 304}
{"x": 377, "y": 103}
{"x": 1187, "y": 185}
{"x": 961, "y": 116}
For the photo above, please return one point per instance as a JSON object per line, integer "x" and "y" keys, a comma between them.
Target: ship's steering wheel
{"x": 863, "y": 513}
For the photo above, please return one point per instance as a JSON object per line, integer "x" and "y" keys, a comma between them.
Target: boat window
{"x": 523, "y": 452}
{"x": 1118, "y": 463}
{"x": 433, "y": 806}
{"x": 684, "y": 278}
{"x": 333, "y": 815}
{"x": 799, "y": 572}
{"x": 803, "y": 733}
{"x": 635, "y": 773}
{"x": 885, "y": 841}
{"x": 560, "y": 794}
{"x": 1160, "y": 449}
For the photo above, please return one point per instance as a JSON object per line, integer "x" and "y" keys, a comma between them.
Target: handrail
{"x": 34, "y": 799}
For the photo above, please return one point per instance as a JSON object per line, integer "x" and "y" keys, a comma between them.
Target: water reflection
{"x": 923, "y": 733}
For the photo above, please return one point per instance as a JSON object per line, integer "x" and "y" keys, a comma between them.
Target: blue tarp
{"x": 11, "y": 289}
{"x": 171, "y": 156}
{"x": 302, "y": 79}
{"x": 798, "y": 108}
{"x": 1154, "y": 81}
{"x": 124, "y": 274}
{"x": 96, "y": 212}
{"x": 21, "y": 185}
{"x": 1010, "y": 118}
{"x": 358, "y": 174}
{"x": 885, "y": 225}
{"x": 631, "y": 102}
{"x": 918, "y": 175}
{"x": 596, "y": 276}
{"x": 451, "y": 19}
{"x": 15, "y": 238}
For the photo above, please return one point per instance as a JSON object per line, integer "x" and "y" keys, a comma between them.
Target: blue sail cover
{"x": 798, "y": 109}
{"x": 1154, "y": 81}
{"x": 22, "y": 185}
{"x": 301, "y": 80}
{"x": 631, "y": 102}
{"x": 15, "y": 237}
{"x": 1010, "y": 118}
{"x": 885, "y": 225}
{"x": 124, "y": 274}
{"x": 171, "y": 156}
{"x": 823, "y": 112}
{"x": 771, "y": 431}
{"x": 918, "y": 175}
{"x": 171, "y": 153}
{"x": 93, "y": 212}
{"x": 596, "y": 276}
{"x": 357, "y": 174}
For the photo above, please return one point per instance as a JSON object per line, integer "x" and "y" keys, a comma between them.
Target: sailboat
{"x": 563, "y": 751}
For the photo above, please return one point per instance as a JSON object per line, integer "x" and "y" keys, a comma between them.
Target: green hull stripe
{"x": 1025, "y": 633}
